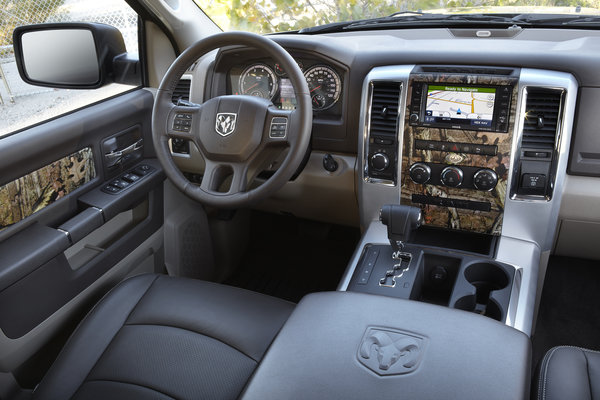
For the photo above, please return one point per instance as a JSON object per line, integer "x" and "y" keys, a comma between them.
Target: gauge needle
{"x": 256, "y": 84}
{"x": 318, "y": 87}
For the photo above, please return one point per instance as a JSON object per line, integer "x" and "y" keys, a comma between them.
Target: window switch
{"x": 130, "y": 178}
{"x": 120, "y": 183}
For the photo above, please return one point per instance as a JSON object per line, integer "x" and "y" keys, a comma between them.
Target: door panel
{"x": 69, "y": 222}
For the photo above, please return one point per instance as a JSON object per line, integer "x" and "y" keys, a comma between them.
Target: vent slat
{"x": 386, "y": 96}
{"x": 182, "y": 91}
{"x": 544, "y": 103}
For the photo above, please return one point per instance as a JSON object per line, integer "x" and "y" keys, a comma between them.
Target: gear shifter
{"x": 401, "y": 222}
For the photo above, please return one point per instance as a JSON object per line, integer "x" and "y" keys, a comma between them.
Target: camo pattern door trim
{"x": 31, "y": 193}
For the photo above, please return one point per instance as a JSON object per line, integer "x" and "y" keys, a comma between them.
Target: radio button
{"x": 414, "y": 118}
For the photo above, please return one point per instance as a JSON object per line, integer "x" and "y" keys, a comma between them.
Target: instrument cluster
{"x": 268, "y": 80}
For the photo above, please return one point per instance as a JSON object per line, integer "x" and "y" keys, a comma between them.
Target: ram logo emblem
{"x": 225, "y": 124}
{"x": 388, "y": 351}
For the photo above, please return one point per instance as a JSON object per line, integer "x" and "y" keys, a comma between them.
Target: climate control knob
{"x": 452, "y": 176}
{"x": 485, "y": 179}
{"x": 379, "y": 161}
{"x": 419, "y": 173}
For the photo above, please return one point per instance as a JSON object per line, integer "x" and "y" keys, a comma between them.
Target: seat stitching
{"x": 116, "y": 333}
{"x": 587, "y": 368}
{"x": 546, "y": 361}
{"x": 132, "y": 384}
{"x": 197, "y": 333}
{"x": 543, "y": 382}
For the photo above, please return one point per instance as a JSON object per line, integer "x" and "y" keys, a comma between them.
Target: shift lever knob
{"x": 401, "y": 222}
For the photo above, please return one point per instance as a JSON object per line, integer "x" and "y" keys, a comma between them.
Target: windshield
{"x": 269, "y": 16}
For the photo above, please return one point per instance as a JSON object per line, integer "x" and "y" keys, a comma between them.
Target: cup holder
{"x": 486, "y": 278}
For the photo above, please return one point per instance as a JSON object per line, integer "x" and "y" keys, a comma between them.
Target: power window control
{"x": 111, "y": 189}
{"x": 131, "y": 177}
{"x": 120, "y": 183}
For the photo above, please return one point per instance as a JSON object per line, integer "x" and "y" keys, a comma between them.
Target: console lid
{"x": 344, "y": 345}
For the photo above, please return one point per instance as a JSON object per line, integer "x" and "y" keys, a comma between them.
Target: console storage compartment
{"x": 345, "y": 345}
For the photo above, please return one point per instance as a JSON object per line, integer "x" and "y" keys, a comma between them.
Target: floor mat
{"x": 570, "y": 306}
{"x": 289, "y": 257}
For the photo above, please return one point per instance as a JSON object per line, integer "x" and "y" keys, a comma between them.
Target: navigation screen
{"x": 455, "y": 104}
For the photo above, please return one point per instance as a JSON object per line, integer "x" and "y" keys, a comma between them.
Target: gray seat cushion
{"x": 569, "y": 373}
{"x": 158, "y": 337}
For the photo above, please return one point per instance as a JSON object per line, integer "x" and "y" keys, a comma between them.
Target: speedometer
{"x": 258, "y": 80}
{"x": 325, "y": 86}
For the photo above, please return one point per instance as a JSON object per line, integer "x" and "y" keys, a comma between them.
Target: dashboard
{"x": 457, "y": 144}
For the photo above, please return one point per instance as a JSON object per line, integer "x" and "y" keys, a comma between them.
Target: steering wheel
{"x": 232, "y": 132}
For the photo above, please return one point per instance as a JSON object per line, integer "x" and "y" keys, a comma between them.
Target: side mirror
{"x": 71, "y": 55}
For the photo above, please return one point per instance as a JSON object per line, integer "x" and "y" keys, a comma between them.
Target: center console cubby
{"x": 436, "y": 276}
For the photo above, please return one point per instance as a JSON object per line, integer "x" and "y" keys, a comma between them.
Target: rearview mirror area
{"x": 68, "y": 55}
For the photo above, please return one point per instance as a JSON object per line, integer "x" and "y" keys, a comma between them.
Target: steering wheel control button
{"x": 420, "y": 173}
{"x": 485, "y": 179}
{"x": 278, "y": 128}
{"x": 379, "y": 161}
{"x": 182, "y": 122}
{"x": 452, "y": 176}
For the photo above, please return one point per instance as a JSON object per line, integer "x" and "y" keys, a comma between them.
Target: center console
{"x": 481, "y": 152}
{"x": 344, "y": 345}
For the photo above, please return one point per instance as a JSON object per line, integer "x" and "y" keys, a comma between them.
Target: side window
{"x": 23, "y": 105}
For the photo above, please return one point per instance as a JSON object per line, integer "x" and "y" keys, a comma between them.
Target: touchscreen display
{"x": 461, "y": 105}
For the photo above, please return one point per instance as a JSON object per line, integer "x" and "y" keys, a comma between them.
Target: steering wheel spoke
{"x": 218, "y": 175}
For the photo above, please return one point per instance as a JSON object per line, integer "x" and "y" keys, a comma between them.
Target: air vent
{"x": 542, "y": 113}
{"x": 182, "y": 90}
{"x": 384, "y": 108}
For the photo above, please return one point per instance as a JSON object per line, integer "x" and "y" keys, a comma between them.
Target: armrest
{"x": 344, "y": 345}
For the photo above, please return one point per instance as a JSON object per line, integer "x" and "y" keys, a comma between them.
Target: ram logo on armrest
{"x": 387, "y": 351}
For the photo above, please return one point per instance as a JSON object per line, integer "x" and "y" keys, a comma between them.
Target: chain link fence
{"x": 15, "y": 13}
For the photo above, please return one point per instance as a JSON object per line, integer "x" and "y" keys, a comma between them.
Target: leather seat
{"x": 158, "y": 337}
{"x": 569, "y": 373}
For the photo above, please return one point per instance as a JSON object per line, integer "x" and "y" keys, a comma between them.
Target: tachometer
{"x": 258, "y": 80}
{"x": 325, "y": 86}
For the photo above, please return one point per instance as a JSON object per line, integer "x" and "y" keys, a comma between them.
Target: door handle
{"x": 115, "y": 156}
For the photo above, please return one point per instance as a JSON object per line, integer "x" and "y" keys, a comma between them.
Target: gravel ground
{"x": 33, "y": 104}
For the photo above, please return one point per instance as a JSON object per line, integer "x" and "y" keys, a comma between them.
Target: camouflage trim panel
{"x": 489, "y": 222}
{"x": 29, "y": 194}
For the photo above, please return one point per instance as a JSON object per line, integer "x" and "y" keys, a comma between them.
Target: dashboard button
{"x": 420, "y": 173}
{"x": 533, "y": 181}
{"x": 452, "y": 176}
{"x": 485, "y": 179}
{"x": 379, "y": 162}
